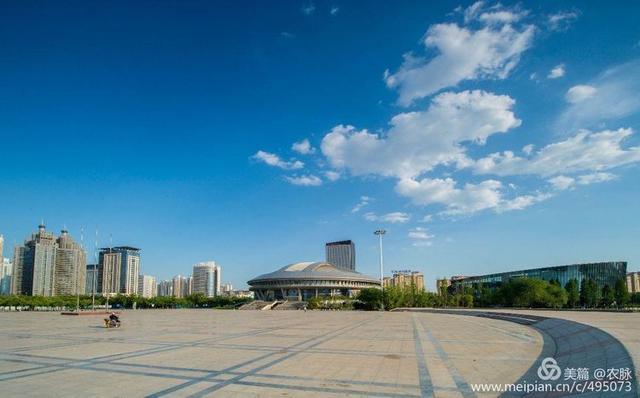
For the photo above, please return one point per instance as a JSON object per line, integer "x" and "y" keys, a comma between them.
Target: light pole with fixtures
{"x": 380, "y": 233}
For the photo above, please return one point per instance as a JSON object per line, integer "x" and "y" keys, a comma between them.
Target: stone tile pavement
{"x": 200, "y": 353}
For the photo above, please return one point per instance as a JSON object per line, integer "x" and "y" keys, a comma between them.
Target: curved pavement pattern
{"x": 198, "y": 353}
{"x": 572, "y": 344}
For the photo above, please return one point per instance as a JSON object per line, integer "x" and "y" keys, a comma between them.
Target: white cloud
{"x": 334, "y": 10}
{"x": 304, "y": 180}
{"x": 420, "y": 236}
{"x": 303, "y": 147}
{"x": 585, "y": 151}
{"x": 427, "y": 218}
{"x": 419, "y": 141}
{"x": 364, "y": 201}
{"x": 472, "y": 198}
{"x": 393, "y": 218}
{"x": 556, "y": 72}
{"x": 580, "y": 93}
{"x": 274, "y": 160}
{"x": 616, "y": 97}
{"x": 562, "y": 182}
{"x": 527, "y": 149}
{"x": 561, "y": 20}
{"x": 308, "y": 9}
{"x": 332, "y": 175}
{"x": 463, "y": 53}
{"x": 595, "y": 178}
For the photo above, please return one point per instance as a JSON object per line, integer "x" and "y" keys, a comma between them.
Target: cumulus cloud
{"x": 419, "y": 141}
{"x": 420, "y": 236}
{"x": 557, "y": 72}
{"x": 304, "y": 180}
{"x": 364, "y": 201}
{"x": 274, "y": 160}
{"x": 392, "y": 218}
{"x": 614, "y": 96}
{"x": 471, "y": 198}
{"x": 303, "y": 147}
{"x": 563, "y": 182}
{"x": 332, "y": 175}
{"x": 580, "y": 93}
{"x": 585, "y": 151}
{"x": 561, "y": 20}
{"x": 463, "y": 53}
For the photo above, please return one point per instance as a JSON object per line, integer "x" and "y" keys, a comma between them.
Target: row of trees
{"x": 517, "y": 292}
{"x": 198, "y": 300}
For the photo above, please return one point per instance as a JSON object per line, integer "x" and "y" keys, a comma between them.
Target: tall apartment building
{"x": 405, "y": 279}
{"x": 147, "y": 286}
{"x": 34, "y": 264}
{"x": 206, "y": 278}
{"x": 93, "y": 277}
{"x": 165, "y": 288}
{"x": 120, "y": 268}
{"x": 180, "y": 286}
{"x": 342, "y": 254}
{"x": 70, "y": 266}
{"x": 6, "y": 269}
{"x": 46, "y": 266}
{"x": 633, "y": 282}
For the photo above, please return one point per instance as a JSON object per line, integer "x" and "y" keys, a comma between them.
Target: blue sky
{"x": 483, "y": 136}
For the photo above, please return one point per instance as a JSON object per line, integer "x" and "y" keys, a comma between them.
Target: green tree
{"x": 620, "y": 293}
{"x": 370, "y": 298}
{"x": 608, "y": 298}
{"x": 573, "y": 293}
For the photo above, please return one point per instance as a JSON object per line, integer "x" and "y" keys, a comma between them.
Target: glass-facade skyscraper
{"x": 341, "y": 254}
{"x": 206, "y": 279}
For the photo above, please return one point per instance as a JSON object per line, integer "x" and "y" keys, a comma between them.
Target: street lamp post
{"x": 380, "y": 233}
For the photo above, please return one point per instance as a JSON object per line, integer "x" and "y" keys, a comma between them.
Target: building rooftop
{"x": 313, "y": 270}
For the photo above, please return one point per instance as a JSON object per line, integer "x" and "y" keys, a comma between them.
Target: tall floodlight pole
{"x": 95, "y": 272}
{"x": 380, "y": 233}
{"x": 78, "y": 271}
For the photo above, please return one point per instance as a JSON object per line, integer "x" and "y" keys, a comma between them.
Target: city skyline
{"x": 299, "y": 129}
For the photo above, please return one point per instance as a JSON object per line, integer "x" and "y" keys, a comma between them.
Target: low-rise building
{"x": 405, "y": 278}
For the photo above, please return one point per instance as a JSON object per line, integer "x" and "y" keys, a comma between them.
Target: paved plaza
{"x": 264, "y": 353}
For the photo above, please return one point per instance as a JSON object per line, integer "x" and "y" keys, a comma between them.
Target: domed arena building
{"x": 302, "y": 281}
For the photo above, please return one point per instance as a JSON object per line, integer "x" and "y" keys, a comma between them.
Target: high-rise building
{"x": 180, "y": 286}
{"x": 165, "y": 288}
{"x": 405, "y": 279}
{"x": 6, "y": 269}
{"x": 633, "y": 282}
{"x": 93, "y": 278}
{"x": 120, "y": 268}
{"x": 70, "y": 266}
{"x": 48, "y": 266}
{"x": 147, "y": 286}
{"x": 206, "y": 278}
{"x": 341, "y": 254}
{"x": 34, "y": 265}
